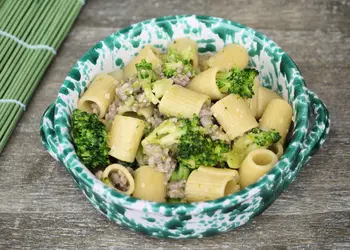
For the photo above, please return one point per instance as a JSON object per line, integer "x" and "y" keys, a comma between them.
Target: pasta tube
{"x": 181, "y": 102}
{"x": 183, "y": 44}
{"x": 150, "y": 184}
{"x": 117, "y": 74}
{"x": 233, "y": 114}
{"x": 277, "y": 148}
{"x": 221, "y": 172}
{"x": 122, "y": 175}
{"x": 150, "y": 54}
{"x": 278, "y": 115}
{"x": 209, "y": 184}
{"x": 253, "y": 102}
{"x": 257, "y": 163}
{"x": 265, "y": 95}
{"x": 232, "y": 55}
{"x": 99, "y": 95}
{"x": 124, "y": 137}
{"x": 205, "y": 83}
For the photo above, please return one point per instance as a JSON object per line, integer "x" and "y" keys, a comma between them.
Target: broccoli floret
{"x": 170, "y": 69}
{"x": 255, "y": 139}
{"x": 144, "y": 71}
{"x": 194, "y": 148}
{"x": 197, "y": 149}
{"x": 168, "y": 133}
{"x": 237, "y": 81}
{"x": 146, "y": 78}
{"x": 90, "y": 139}
{"x": 180, "y": 173}
{"x": 175, "y": 60}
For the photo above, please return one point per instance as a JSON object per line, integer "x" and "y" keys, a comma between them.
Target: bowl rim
{"x": 245, "y": 194}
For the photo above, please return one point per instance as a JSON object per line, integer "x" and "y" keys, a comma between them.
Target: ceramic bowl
{"x": 194, "y": 220}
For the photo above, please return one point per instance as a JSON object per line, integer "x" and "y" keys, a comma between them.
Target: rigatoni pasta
{"x": 99, "y": 95}
{"x": 255, "y": 165}
{"x": 119, "y": 177}
{"x": 232, "y": 55}
{"x": 205, "y": 83}
{"x": 233, "y": 114}
{"x": 125, "y": 137}
{"x": 204, "y": 185}
{"x": 264, "y": 96}
{"x": 149, "y": 184}
{"x": 180, "y": 127}
{"x": 181, "y": 102}
{"x": 278, "y": 115}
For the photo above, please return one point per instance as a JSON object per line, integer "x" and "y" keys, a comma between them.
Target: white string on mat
{"x": 29, "y": 46}
{"x": 23, "y": 106}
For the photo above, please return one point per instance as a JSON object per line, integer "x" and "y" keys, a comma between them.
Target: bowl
{"x": 193, "y": 220}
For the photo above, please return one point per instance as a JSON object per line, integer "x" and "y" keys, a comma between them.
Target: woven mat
{"x": 31, "y": 31}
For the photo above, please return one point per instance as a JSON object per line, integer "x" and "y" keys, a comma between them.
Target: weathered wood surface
{"x": 41, "y": 208}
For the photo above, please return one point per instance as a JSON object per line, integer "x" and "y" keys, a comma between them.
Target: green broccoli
{"x": 144, "y": 71}
{"x": 146, "y": 78}
{"x": 175, "y": 200}
{"x": 175, "y": 60}
{"x": 180, "y": 173}
{"x": 237, "y": 81}
{"x": 90, "y": 139}
{"x": 255, "y": 139}
{"x": 194, "y": 148}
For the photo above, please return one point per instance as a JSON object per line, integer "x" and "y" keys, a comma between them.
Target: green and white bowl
{"x": 194, "y": 220}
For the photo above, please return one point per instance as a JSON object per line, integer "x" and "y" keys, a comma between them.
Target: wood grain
{"x": 40, "y": 207}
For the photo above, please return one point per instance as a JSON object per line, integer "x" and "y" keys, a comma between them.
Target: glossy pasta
{"x": 121, "y": 171}
{"x": 149, "y": 184}
{"x": 181, "y": 102}
{"x": 264, "y": 96}
{"x": 125, "y": 137}
{"x": 255, "y": 165}
{"x": 99, "y": 95}
{"x": 203, "y": 185}
{"x": 233, "y": 114}
{"x": 205, "y": 83}
{"x": 278, "y": 115}
{"x": 232, "y": 55}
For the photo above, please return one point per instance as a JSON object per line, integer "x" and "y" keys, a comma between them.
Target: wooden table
{"x": 41, "y": 208}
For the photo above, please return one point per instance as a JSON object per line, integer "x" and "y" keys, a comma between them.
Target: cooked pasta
{"x": 232, "y": 55}
{"x": 253, "y": 102}
{"x": 278, "y": 115}
{"x": 203, "y": 185}
{"x": 233, "y": 114}
{"x": 277, "y": 148}
{"x": 150, "y": 54}
{"x": 265, "y": 95}
{"x": 117, "y": 74}
{"x": 99, "y": 95}
{"x": 125, "y": 137}
{"x": 149, "y": 184}
{"x": 205, "y": 83}
{"x": 119, "y": 177}
{"x": 255, "y": 165}
{"x": 181, "y": 102}
{"x": 186, "y": 123}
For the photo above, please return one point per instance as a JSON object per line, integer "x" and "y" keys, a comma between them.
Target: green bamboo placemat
{"x": 30, "y": 33}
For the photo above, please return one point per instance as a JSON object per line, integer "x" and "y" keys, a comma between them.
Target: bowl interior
{"x": 277, "y": 72}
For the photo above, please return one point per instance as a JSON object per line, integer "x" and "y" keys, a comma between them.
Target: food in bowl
{"x": 178, "y": 127}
